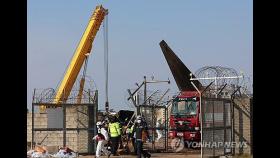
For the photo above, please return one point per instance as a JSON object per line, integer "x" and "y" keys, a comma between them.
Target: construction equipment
{"x": 79, "y": 58}
{"x": 184, "y": 117}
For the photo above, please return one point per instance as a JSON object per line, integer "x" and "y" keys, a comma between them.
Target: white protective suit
{"x": 159, "y": 132}
{"x": 101, "y": 142}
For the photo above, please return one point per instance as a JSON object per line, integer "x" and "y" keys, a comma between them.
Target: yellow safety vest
{"x": 119, "y": 126}
{"x": 131, "y": 129}
{"x": 114, "y": 129}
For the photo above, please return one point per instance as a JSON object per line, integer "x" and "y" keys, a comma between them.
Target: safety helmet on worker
{"x": 113, "y": 119}
{"x": 98, "y": 123}
{"x": 138, "y": 119}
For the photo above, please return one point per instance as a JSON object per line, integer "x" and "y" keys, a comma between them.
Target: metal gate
{"x": 216, "y": 127}
{"x": 156, "y": 118}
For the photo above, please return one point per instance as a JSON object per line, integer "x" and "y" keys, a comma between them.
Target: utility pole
{"x": 144, "y": 83}
{"x": 145, "y": 94}
{"x": 145, "y": 90}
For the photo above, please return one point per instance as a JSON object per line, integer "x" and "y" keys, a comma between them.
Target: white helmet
{"x": 98, "y": 123}
{"x": 193, "y": 113}
{"x": 138, "y": 117}
{"x": 138, "y": 121}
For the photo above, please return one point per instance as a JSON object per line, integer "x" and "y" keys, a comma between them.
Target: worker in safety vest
{"x": 142, "y": 135}
{"x": 115, "y": 133}
{"x": 102, "y": 139}
{"x": 120, "y": 145}
{"x": 131, "y": 136}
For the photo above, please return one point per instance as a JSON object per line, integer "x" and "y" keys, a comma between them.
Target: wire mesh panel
{"x": 82, "y": 141}
{"x": 157, "y": 122}
{"x": 217, "y": 144}
{"x": 216, "y": 127}
{"x": 242, "y": 122}
{"x": 218, "y": 113}
{"x": 50, "y": 139}
{"x": 218, "y": 123}
{"x": 227, "y": 114}
{"x": 207, "y": 125}
{"x": 79, "y": 120}
{"x": 55, "y": 117}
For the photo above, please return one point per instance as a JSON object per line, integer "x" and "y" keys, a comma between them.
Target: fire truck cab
{"x": 184, "y": 116}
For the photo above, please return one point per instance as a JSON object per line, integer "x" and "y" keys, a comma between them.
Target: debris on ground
{"x": 65, "y": 152}
{"x": 38, "y": 152}
{"x": 42, "y": 152}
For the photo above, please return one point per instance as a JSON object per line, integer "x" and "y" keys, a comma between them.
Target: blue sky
{"x": 201, "y": 33}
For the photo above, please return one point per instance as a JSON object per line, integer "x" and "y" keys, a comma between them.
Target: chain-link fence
{"x": 157, "y": 122}
{"x": 216, "y": 127}
{"x": 243, "y": 124}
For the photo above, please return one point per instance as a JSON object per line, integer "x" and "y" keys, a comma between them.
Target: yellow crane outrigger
{"x": 79, "y": 57}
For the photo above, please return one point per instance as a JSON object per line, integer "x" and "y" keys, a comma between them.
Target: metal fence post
{"x": 32, "y": 131}
{"x": 200, "y": 114}
{"x": 251, "y": 125}
{"x": 32, "y": 114}
{"x": 233, "y": 124}
{"x": 95, "y": 116}
{"x": 213, "y": 125}
{"x": 64, "y": 124}
{"x": 224, "y": 121}
{"x": 165, "y": 129}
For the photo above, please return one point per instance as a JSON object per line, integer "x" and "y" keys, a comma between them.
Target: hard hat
{"x": 138, "y": 121}
{"x": 193, "y": 113}
{"x": 98, "y": 123}
{"x": 138, "y": 117}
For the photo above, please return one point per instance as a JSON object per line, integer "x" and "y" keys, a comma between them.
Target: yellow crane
{"x": 80, "y": 56}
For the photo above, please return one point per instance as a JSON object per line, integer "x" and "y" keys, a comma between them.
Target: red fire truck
{"x": 184, "y": 116}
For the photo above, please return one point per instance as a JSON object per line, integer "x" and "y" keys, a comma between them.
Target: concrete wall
{"x": 40, "y": 121}
{"x": 242, "y": 124}
{"x": 78, "y": 141}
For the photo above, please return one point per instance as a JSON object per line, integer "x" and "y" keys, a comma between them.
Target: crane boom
{"x": 81, "y": 52}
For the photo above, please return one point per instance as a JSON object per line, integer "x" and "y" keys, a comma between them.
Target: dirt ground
{"x": 161, "y": 155}
{"x": 185, "y": 153}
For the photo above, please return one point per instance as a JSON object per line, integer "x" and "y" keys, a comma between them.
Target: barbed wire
{"x": 220, "y": 72}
